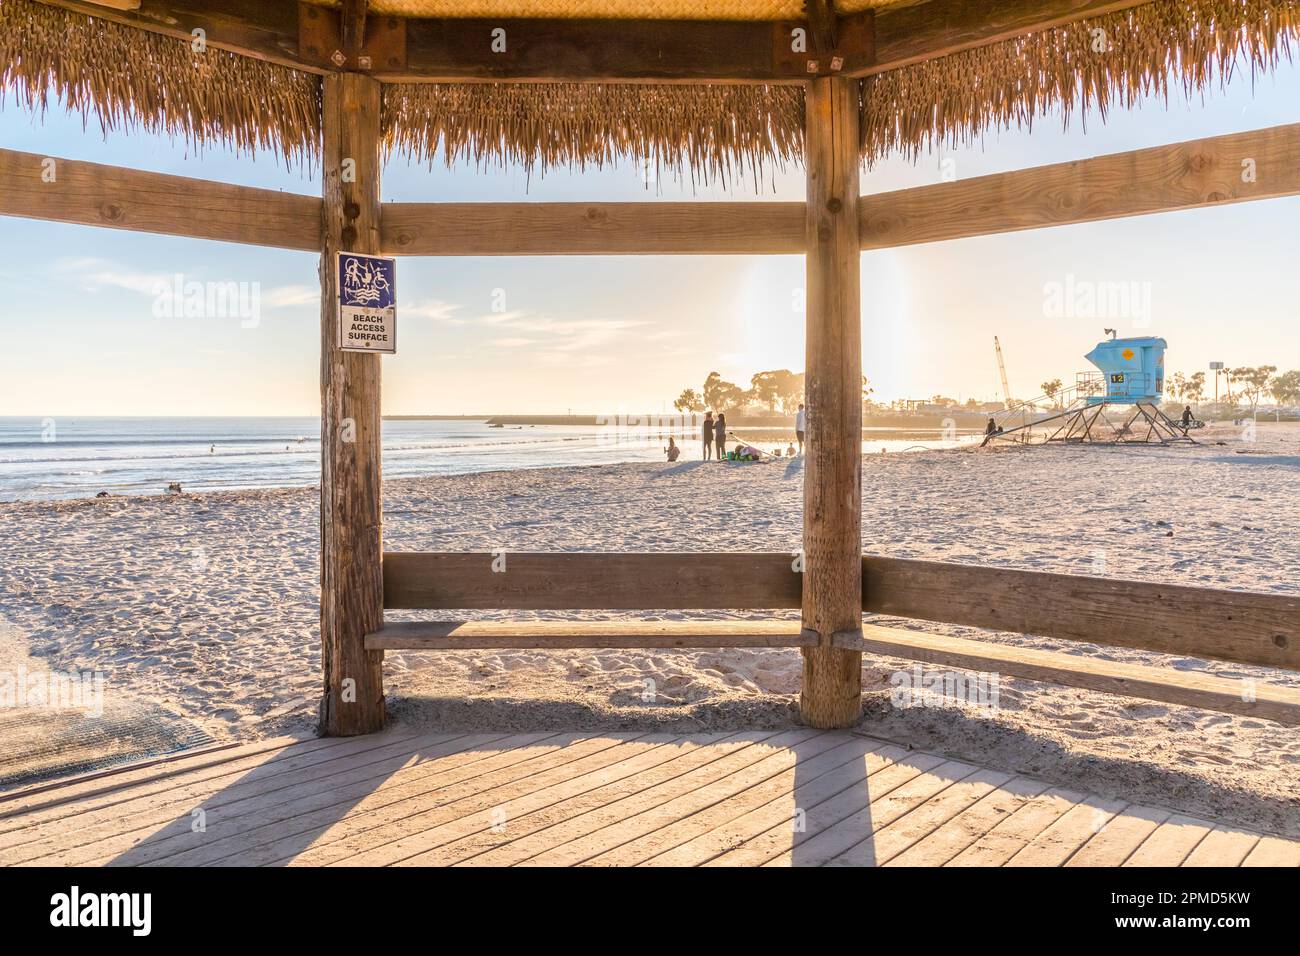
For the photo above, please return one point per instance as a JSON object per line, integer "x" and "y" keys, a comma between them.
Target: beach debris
{"x": 175, "y": 488}
{"x": 102, "y": 494}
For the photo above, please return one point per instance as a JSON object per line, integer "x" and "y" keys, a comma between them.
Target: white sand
{"x": 205, "y": 605}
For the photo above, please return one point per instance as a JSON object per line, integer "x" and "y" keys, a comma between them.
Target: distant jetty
{"x": 963, "y": 419}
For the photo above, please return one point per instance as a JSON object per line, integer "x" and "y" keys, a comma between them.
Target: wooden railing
{"x": 1244, "y": 627}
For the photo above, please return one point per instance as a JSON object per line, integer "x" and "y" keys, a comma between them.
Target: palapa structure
{"x": 717, "y": 89}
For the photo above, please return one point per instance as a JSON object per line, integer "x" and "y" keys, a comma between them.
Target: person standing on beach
{"x": 720, "y": 436}
{"x": 707, "y": 435}
{"x": 800, "y": 426}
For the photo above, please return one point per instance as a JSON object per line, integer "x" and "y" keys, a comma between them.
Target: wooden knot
{"x": 1280, "y": 640}
{"x": 834, "y": 205}
{"x": 594, "y": 214}
{"x": 348, "y": 237}
{"x": 111, "y": 212}
{"x": 823, "y": 233}
{"x": 351, "y": 210}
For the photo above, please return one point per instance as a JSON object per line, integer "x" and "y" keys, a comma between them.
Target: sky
{"x": 607, "y": 334}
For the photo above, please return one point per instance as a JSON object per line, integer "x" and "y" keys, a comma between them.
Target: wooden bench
{"x": 1259, "y": 629}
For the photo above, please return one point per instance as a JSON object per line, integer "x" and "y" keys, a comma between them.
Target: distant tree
{"x": 867, "y": 390}
{"x": 1286, "y": 388}
{"x": 765, "y": 387}
{"x": 941, "y": 400}
{"x": 720, "y": 394}
{"x": 689, "y": 401}
{"x": 1051, "y": 389}
{"x": 792, "y": 392}
{"x": 1254, "y": 382}
{"x": 1177, "y": 385}
{"x": 1194, "y": 388}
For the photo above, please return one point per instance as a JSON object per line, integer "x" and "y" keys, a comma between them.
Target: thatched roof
{"x": 1162, "y": 47}
{"x": 613, "y": 9}
{"x": 123, "y": 76}
{"x": 713, "y": 132}
{"x": 126, "y": 77}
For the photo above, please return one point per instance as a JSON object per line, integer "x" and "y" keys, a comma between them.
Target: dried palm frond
{"x": 1093, "y": 64}
{"x": 713, "y": 131}
{"x": 134, "y": 78}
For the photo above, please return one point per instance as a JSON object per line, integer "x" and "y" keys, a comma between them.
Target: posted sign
{"x": 367, "y": 303}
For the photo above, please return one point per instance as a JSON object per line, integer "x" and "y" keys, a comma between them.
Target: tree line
{"x": 1245, "y": 384}
{"x": 777, "y": 390}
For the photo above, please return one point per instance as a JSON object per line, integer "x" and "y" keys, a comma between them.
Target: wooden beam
{"x": 926, "y": 31}
{"x": 481, "y": 635}
{"x": 352, "y": 591}
{"x": 832, "y": 520}
{"x": 88, "y": 194}
{"x": 254, "y": 28}
{"x": 1242, "y": 626}
{"x": 1186, "y": 689}
{"x": 538, "y": 49}
{"x": 585, "y": 581}
{"x": 574, "y": 229}
{"x": 1238, "y": 167}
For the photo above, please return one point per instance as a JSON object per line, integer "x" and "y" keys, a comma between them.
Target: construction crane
{"x": 1002, "y": 370}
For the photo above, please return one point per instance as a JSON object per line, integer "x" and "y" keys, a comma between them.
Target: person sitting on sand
{"x": 672, "y": 451}
{"x": 720, "y": 436}
{"x": 707, "y": 434}
{"x": 789, "y": 452}
{"x": 991, "y": 428}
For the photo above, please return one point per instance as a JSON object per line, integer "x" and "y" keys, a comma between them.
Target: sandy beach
{"x": 200, "y": 610}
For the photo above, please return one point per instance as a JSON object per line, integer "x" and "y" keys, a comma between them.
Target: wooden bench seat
{"x": 459, "y": 635}
{"x": 1185, "y": 688}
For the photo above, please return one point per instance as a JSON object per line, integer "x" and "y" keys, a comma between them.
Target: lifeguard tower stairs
{"x": 1118, "y": 404}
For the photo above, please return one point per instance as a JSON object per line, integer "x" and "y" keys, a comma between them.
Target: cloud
{"x": 563, "y": 335}
{"x": 512, "y": 343}
{"x": 291, "y": 295}
{"x": 434, "y": 309}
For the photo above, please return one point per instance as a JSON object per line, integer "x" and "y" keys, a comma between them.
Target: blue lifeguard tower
{"x": 1130, "y": 373}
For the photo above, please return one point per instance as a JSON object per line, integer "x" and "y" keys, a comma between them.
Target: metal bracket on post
{"x": 822, "y": 49}
{"x": 371, "y": 45}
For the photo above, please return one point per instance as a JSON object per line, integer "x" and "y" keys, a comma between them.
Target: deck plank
{"x": 1274, "y": 851}
{"x": 463, "y": 839}
{"x": 1224, "y": 846}
{"x": 429, "y": 828}
{"x": 824, "y": 840}
{"x": 112, "y": 829}
{"x": 965, "y": 828}
{"x": 769, "y": 814}
{"x": 1115, "y": 842}
{"x": 640, "y": 837}
{"x": 892, "y": 839}
{"x": 1171, "y": 842}
{"x": 750, "y": 749}
{"x": 1012, "y": 834}
{"x": 599, "y": 799}
{"x": 1065, "y": 836}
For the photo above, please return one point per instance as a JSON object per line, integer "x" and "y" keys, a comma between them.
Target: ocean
{"x": 80, "y": 456}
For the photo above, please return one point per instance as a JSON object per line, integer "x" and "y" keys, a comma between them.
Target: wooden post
{"x": 832, "y": 520}
{"x": 351, "y": 512}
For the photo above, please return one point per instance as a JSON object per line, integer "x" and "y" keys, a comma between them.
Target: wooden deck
{"x": 774, "y": 798}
